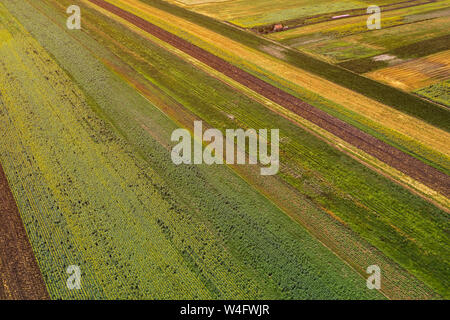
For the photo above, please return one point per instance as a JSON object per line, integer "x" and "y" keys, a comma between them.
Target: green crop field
{"x": 439, "y": 92}
{"x": 375, "y": 90}
{"x": 87, "y": 117}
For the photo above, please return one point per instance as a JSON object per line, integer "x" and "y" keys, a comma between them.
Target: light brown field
{"x": 417, "y": 73}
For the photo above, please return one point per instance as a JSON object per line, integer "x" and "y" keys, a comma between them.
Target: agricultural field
{"x": 415, "y": 74}
{"x": 263, "y": 57}
{"x": 408, "y": 38}
{"x": 249, "y": 14}
{"x": 439, "y": 92}
{"x": 87, "y": 117}
{"x": 381, "y": 41}
{"x": 409, "y": 30}
{"x": 347, "y": 105}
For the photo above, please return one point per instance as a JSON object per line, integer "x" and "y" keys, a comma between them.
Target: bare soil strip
{"x": 397, "y": 159}
{"x": 20, "y": 277}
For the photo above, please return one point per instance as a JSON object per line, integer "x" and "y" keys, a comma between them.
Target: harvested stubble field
{"x": 111, "y": 194}
{"x": 416, "y": 74}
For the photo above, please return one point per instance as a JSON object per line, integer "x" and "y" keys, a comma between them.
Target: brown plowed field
{"x": 397, "y": 159}
{"x": 20, "y": 277}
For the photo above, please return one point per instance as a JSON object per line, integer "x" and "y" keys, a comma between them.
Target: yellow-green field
{"x": 368, "y": 44}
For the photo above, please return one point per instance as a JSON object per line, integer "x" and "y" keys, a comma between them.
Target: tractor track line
{"x": 384, "y": 152}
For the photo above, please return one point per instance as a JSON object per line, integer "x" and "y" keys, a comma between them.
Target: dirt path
{"x": 397, "y": 159}
{"x": 20, "y": 277}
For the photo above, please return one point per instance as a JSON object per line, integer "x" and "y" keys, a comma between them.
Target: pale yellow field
{"x": 399, "y": 123}
{"x": 417, "y": 73}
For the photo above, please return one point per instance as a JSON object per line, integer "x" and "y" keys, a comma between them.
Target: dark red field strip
{"x": 397, "y": 159}
{"x": 20, "y": 277}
